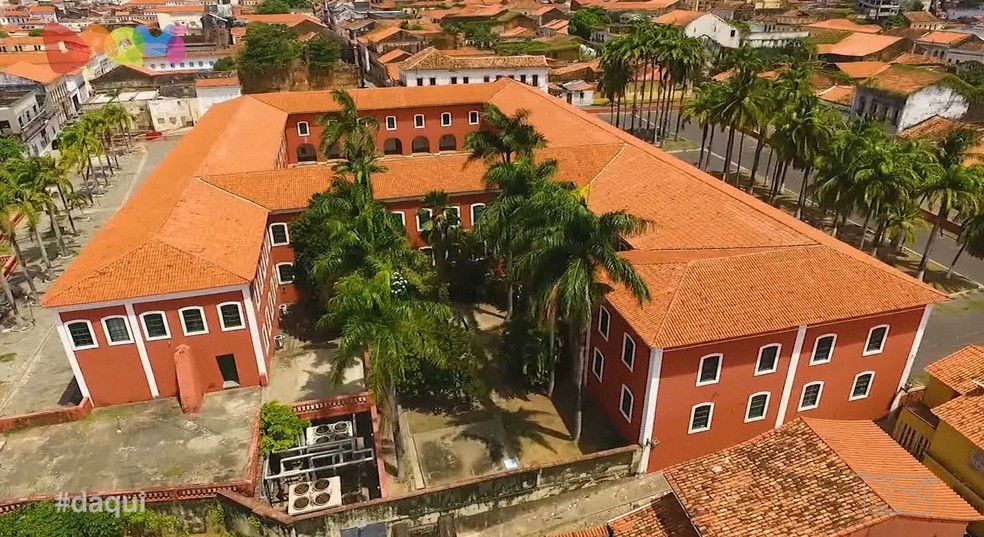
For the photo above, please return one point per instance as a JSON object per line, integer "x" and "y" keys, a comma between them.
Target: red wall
{"x": 405, "y": 130}
{"x": 410, "y": 207}
{"x": 678, "y": 390}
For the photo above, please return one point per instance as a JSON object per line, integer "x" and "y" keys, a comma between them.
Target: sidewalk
{"x": 34, "y": 373}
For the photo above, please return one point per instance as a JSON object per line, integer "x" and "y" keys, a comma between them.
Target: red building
{"x": 755, "y": 317}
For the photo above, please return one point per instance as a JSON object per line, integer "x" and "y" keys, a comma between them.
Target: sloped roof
{"x": 943, "y": 38}
{"x": 960, "y": 370}
{"x": 662, "y": 517}
{"x": 842, "y": 95}
{"x": 920, "y": 16}
{"x": 394, "y": 55}
{"x": 963, "y": 414}
{"x": 812, "y": 478}
{"x": 845, "y": 25}
{"x": 432, "y": 59}
{"x": 679, "y": 17}
{"x": 287, "y": 19}
{"x": 903, "y": 79}
{"x": 217, "y": 82}
{"x": 860, "y": 45}
{"x": 41, "y": 73}
{"x": 908, "y": 58}
{"x": 861, "y": 69}
{"x": 937, "y": 128}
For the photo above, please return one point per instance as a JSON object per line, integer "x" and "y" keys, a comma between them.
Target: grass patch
{"x": 681, "y": 144}
{"x": 174, "y": 470}
{"x": 7, "y": 357}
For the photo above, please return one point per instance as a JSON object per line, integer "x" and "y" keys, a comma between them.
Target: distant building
{"x": 923, "y": 20}
{"x": 945, "y": 430}
{"x": 216, "y": 90}
{"x": 576, "y": 92}
{"x": 51, "y": 90}
{"x": 431, "y": 67}
{"x": 23, "y": 117}
{"x": 859, "y": 46}
{"x": 879, "y": 9}
{"x": 903, "y": 96}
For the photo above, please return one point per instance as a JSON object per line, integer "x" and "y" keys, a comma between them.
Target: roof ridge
{"x": 607, "y": 164}
{"x": 202, "y": 180}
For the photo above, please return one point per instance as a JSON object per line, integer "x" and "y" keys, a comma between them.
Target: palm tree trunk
{"x": 710, "y": 148}
{"x": 579, "y": 374}
{"x": 68, "y": 211}
{"x": 23, "y": 263}
{"x": 727, "y": 154}
{"x": 759, "y": 145}
{"x": 953, "y": 263}
{"x": 802, "y": 195}
{"x": 879, "y": 237}
{"x": 833, "y": 232}
{"x": 683, "y": 94}
{"x": 394, "y": 418}
{"x": 553, "y": 364}
{"x": 741, "y": 148}
{"x": 44, "y": 254}
{"x": 768, "y": 163}
{"x": 667, "y": 108}
{"x": 652, "y": 88}
{"x": 703, "y": 144}
{"x": 62, "y": 249}
{"x": 864, "y": 229}
{"x": 929, "y": 241}
{"x": 8, "y": 292}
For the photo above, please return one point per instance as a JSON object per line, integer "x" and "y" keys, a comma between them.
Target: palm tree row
{"x": 89, "y": 142}
{"x": 653, "y": 57}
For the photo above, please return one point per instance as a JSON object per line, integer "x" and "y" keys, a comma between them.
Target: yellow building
{"x": 946, "y": 429}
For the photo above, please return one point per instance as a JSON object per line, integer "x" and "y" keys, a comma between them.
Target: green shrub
{"x": 457, "y": 381}
{"x": 45, "y": 520}
{"x": 526, "y": 349}
{"x": 279, "y": 427}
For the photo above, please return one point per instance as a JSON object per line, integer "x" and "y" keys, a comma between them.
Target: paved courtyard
{"x": 134, "y": 446}
{"x": 34, "y": 373}
{"x": 301, "y": 371}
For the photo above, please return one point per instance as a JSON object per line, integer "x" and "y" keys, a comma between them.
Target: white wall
{"x": 932, "y": 101}
{"x": 161, "y": 64}
{"x": 580, "y": 99}
{"x": 712, "y": 27}
{"x": 475, "y": 76}
{"x": 210, "y": 96}
{"x": 171, "y": 114}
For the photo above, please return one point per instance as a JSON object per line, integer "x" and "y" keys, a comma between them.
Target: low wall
{"x": 46, "y": 417}
{"x": 948, "y": 225}
{"x": 422, "y": 508}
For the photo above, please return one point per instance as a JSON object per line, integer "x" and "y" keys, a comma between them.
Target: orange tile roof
{"x": 842, "y": 95}
{"x": 433, "y": 59}
{"x": 965, "y": 414}
{"x": 811, "y": 478}
{"x": 396, "y": 54}
{"x": 559, "y": 25}
{"x": 903, "y": 79}
{"x": 630, "y": 5}
{"x": 845, "y": 25}
{"x": 861, "y": 69}
{"x": 908, "y": 58}
{"x": 600, "y": 531}
{"x": 860, "y": 45}
{"x": 679, "y": 17}
{"x": 37, "y": 72}
{"x": 960, "y": 370}
{"x": 382, "y": 33}
{"x": 943, "y": 38}
{"x": 287, "y": 19}
{"x": 217, "y": 82}
{"x": 298, "y": 102}
{"x": 938, "y": 127}
{"x": 664, "y": 517}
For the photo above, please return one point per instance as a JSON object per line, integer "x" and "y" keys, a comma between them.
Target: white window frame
{"x": 867, "y": 392}
{"x": 608, "y": 327}
{"x": 403, "y": 217}
{"x": 273, "y": 242}
{"x": 422, "y": 122}
{"x": 276, "y": 269}
{"x": 717, "y": 374}
{"x": 126, "y": 323}
{"x": 146, "y": 333}
{"x": 471, "y": 211}
{"x": 816, "y": 342}
{"x": 621, "y": 399}
{"x": 95, "y": 341}
{"x": 800, "y": 406}
{"x": 387, "y": 123}
{"x": 775, "y": 365}
{"x": 307, "y": 128}
{"x": 448, "y": 116}
{"x": 242, "y": 319}
{"x": 184, "y": 327}
{"x": 598, "y": 355}
{"x": 626, "y": 338}
{"x": 473, "y": 114}
{"x": 879, "y": 350}
{"x": 416, "y": 217}
{"x": 748, "y": 407}
{"x": 693, "y": 413}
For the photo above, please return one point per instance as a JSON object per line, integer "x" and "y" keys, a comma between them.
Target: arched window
{"x": 306, "y": 153}
{"x": 334, "y": 151}
{"x": 447, "y": 143}
{"x": 392, "y": 146}
{"x": 420, "y": 144}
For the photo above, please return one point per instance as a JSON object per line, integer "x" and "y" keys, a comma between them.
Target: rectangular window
{"x": 231, "y": 316}
{"x": 81, "y": 335}
{"x": 811, "y": 396}
{"x": 700, "y": 417}
{"x": 862, "y": 385}
{"x": 625, "y": 403}
{"x": 536, "y": 80}
{"x": 710, "y": 370}
{"x": 604, "y": 322}
{"x": 876, "y": 340}
{"x": 155, "y": 325}
{"x": 464, "y": 80}
{"x": 473, "y": 117}
{"x": 423, "y": 216}
{"x": 454, "y": 80}
{"x": 758, "y": 405}
{"x": 403, "y": 218}
{"x": 285, "y": 273}
{"x": 193, "y": 321}
{"x": 768, "y": 359}
{"x": 486, "y": 78}
{"x": 446, "y": 119}
{"x": 433, "y": 81}
{"x": 420, "y": 81}
{"x": 279, "y": 235}
{"x": 522, "y": 78}
{"x": 628, "y": 351}
{"x": 418, "y": 121}
{"x": 598, "y": 364}
{"x": 391, "y": 123}
{"x": 117, "y": 332}
{"x": 823, "y": 349}
{"x": 476, "y": 212}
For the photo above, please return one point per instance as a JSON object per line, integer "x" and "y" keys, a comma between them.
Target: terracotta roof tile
{"x": 394, "y": 55}
{"x": 842, "y": 95}
{"x": 217, "y": 82}
{"x": 938, "y": 127}
{"x": 862, "y": 69}
{"x": 920, "y": 16}
{"x": 908, "y": 58}
{"x": 959, "y": 370}
{"x": 287, "y": 19}
{"x": 845, "y": 25}
{"x": 943, "y": 38}
{"x": 860, "y": 45}
{"x": 41, "y": 73}
{"x": 432, "y": 59}
{"x": 965, "y": 414}
{"x": 679, "y": 17}
{"x": 378, "y": 35}
{"x": 664, "y": 517}
{"x": 809, "y": 478}
{"x": 903, "y": 79}
{"x": 600, "y": 531}
{"x": 298, "y": 102}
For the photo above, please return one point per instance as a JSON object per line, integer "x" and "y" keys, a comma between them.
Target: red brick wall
{"x": 405, "y": 130}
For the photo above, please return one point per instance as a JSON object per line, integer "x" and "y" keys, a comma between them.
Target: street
{"x": 953, "y": 325}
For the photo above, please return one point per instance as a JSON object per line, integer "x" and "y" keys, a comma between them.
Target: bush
{"x": 44, "y": 519}
{"x": 526, "y": 350}
{"x": 456, "y": 382}
{"x": 280, "y": 427}
{"x": 224, "y": 64}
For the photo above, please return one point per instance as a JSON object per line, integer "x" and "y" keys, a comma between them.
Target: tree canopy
{"x": 273, "y": 7}
{"x": 321, "y": 53}
{"x": 224, "y": 64}
{"x": 268, "y": 46}
{"x": 586, "y": 19}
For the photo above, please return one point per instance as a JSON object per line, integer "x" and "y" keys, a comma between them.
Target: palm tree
{"x": 117, "y": 115}
{"x": 12, "y": 209}
{"x": 953, "y": 186}
{"x": 38, "y": 174}
{"x": 99, "y": 128}
{"x": 569, "y": 263}
{"x": 971, "y": 239}
{"x": 503, "y": 137}
{"x": 441, "y": 229}
{"x": 613, "y": 82}
{"x": 359, "y": 162}
{"x": 702, "y": 107}
{"x": 77, "y": 146}
{"x": 347, "y": 124}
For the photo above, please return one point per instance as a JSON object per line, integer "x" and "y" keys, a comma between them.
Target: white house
{"x": 188, "y": 16}
{"x": 903, "y": 96}
{"x": 199, "y": 60}
{"x": 712, "y": 28}
{"x": 212, "y": 91}
{"x": 431, "y": 67}
{"x": 22, "y": 116}
{"x": 576, "y": 92}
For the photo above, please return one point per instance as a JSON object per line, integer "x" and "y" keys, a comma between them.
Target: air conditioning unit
{"x": 329, "y": 432}
{"x": 308, "y": 496}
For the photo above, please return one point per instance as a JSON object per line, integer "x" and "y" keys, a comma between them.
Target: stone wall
{"x": 466, "y": 499}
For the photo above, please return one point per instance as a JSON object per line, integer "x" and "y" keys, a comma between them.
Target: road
{"x": 944, "y": 249}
